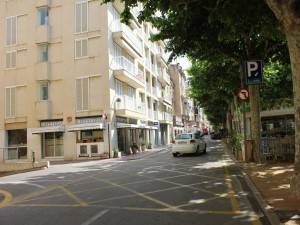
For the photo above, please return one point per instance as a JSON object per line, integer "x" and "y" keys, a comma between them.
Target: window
{"x": 10, "y": 102}
{"x": 42, "y": 53}
{"x": 81, "y": 16}
{"x": 52, "y": 144}
{"x": 11, "y": 30}
{"x": 90, "y": 136}
{"x": 81, "y": 48}
{"x": 82, "y": 94}
{"x": 44, "y": 91}
{"x": 43, "y": 16}
{"x": 11, "y": 59}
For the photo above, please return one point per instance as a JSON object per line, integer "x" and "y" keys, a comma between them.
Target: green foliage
{"x": 213, "y": 85}
{"x": 277, "y": 88}
{"x": 235, "y": 141}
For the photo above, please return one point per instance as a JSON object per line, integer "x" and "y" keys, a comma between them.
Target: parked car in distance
{"x": 188, "y": 143}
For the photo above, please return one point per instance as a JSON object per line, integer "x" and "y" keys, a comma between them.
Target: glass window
{"x": 43, "y": 15}
{"x": 81, "y": 48}
{"x": 83, "y": 150}
{"x": 11, "y": 59}
{"x": 183, "y": 136}
{"x": 82, "y": 94}
{"x": 52, "y": 144}
{"x": 17, "y": 137}
{"x": 11, "y": 30}
{"x": 90, "y": 136}
{"x": 44, "y": 89}
{"x": 81, "y": 16}
{"x": 94, "y": 149}
{"x": 43, "y": 53}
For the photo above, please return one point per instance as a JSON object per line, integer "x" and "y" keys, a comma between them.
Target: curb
{"x": 143, "y": 155}
{"x": 267, "y": 210}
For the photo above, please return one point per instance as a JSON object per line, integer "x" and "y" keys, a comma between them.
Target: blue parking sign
{"x": 253, "y": 72}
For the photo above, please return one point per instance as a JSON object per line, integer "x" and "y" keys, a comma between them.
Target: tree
{"x": 235, "y": 28}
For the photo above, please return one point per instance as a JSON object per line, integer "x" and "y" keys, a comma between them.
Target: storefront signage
{"x": 51, "y": 123}
{"x": 88, "y": 120}
{"x": 156, "y": 124}
{"x": 132, "y": 121}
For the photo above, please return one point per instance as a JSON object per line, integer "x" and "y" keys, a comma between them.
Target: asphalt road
{"x": 155, "y": 190}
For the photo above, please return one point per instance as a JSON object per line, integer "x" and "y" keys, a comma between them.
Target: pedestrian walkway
{"x": 273, "y": 182}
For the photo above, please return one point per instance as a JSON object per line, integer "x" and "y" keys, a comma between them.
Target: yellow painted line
{"x": 141, "y": 195}
{"x": 47, "y": 205}
{"x": 234, "y": 202}
{"x": 7, "y": 198}
{"x": 74, "y": 197}
{"x": 204, "y": 201}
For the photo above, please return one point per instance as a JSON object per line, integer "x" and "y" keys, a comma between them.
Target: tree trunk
{"x": 255, "y": 120}
{"x": 283, "y": 10}
{"x": 294, "y": 49}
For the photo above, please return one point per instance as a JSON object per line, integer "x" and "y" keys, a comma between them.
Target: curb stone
{"x": 143, "y": 155}
{"x": 267, "y": 209}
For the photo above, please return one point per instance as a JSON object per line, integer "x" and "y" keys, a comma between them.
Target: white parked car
{"x": 188, "y": 143}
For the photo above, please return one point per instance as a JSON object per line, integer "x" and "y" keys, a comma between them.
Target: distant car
{"x": 188, "y": 143}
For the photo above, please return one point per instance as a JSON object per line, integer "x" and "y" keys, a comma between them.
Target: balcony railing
{"x": 154, "y": 91}
{"x": 148, "y": 87}
{"x": 122, "y": 62}
{"x": 141, "y": 108}
{"x": 131, "y": 37}
{"x": 150, "y": 113}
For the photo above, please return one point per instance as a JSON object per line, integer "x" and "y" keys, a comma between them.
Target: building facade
{"x": 77, "y": 83}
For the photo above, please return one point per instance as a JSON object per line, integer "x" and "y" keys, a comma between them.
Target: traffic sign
{"x": 253, "y": 72}
{"x": 243, "y": 94}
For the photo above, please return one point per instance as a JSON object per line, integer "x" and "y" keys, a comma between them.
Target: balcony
{"x": 128, "y": 107}
{"x": 125, "y": 71}
{"x": 154, "y": 91}
{"x": 163, "y": 77}
{"x": 42, "y": 71}
{"x": 150, "y": 114}
{"x": 125, "y": 37}
{"x": 155, "y": 115}
{"x": 166, "y": 117}
{"x": 42, "y": 34}
{"x": 177, "y": 121}
{"x": 148, "y": 87}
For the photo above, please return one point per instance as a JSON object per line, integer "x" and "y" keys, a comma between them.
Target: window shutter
{"x": 13, "y": 101}
{"x": 13, "y": 59}
{"x": 7, "y": 102}
{"x": 14, "y": 30}
{"x": 8, "y": 63}
{"x": 84, "y": 47}
{"x": 84, "y": 13}
{"x": 8, "y": 31}
{"x": 85, "y": 93}
{"x": 78, "y": 49}
{"x": 79, "y": 94}
{"x": 78, "y": 17}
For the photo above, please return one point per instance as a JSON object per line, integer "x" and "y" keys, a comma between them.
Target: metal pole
{"x": 108, "y": 134}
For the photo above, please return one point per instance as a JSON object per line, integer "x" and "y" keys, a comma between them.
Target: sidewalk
{"x": 273, "y": 182}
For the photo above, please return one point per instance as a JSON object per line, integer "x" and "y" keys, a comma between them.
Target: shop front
{"x": 133, "y": 133}
{"x": 52, "y": 136}
{"x": 89, "y": 137}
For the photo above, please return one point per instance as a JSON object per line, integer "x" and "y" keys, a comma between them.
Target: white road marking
{"x": 94, "y": 218}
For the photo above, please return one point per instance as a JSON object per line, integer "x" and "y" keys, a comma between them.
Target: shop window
{"x": 94, "y": 149}
{"x": 17, "y": 137}
{"x": 52, "y": 144}
{"x": 90, "y": 136}
{"x": 83, "y": 150}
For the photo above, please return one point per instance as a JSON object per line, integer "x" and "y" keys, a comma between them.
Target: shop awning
{"x": 127, "y": 125}
{"x": 53, "y": 129}
{"x": 85, "y": 126}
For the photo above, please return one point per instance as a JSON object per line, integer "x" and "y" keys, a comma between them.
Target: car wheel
{"x": 204, "y": 150}
{"x": 175, "y": 154}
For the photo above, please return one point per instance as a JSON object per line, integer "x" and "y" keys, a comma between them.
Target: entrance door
{"x": 52, "y": 144}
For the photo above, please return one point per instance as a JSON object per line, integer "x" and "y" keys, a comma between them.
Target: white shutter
{"x": 84, "y": 13}
{"x": 11, "y": 30}
{"x": 84, "y": 47}
{"x": 12, "y": 102}
{"x": 85, "y": 93}
{"x": 8, "y": 62}
{"x": 7, "y": 102}
{"x": 77, "y": 49}
{"x": 14, "y": 31}
{"x": 8, "y": 31}
{"x": 79, "y": 94}
{"x": 78, "y": 17}
{"x": 13, "y": 59}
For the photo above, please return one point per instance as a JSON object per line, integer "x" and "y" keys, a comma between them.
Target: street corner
{"x": 5, "y": 198}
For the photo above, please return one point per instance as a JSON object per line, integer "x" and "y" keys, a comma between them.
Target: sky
{"x": 184, "y": 62}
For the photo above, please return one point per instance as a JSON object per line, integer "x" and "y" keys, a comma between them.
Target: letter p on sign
{"x": 253, "y": 72}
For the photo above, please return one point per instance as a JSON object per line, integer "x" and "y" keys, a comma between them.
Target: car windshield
{"x": 183, "y": 136}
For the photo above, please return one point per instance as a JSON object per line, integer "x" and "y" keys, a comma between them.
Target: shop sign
{"x": 156, "y": 124}
{"x": 51, "y": 123}
{"x": 89, "y": 120}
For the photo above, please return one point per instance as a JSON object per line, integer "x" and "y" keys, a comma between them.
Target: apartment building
{"x": 77, "y": 83}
